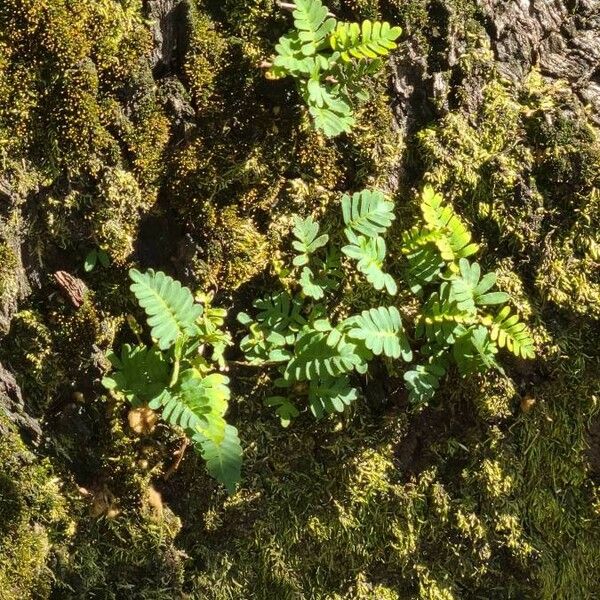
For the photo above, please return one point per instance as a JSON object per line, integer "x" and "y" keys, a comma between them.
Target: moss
{"x": 116, "y": 214}
{"x": 9, "y": 265}
{"x": 34, "y": 517}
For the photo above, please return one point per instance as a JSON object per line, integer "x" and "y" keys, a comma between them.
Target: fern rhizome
{"x": 294, "y": 332}
{"x": 330, "y": 60}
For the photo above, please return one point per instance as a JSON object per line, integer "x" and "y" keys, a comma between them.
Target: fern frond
{"x": 170, "y": 306}
{"x": 368, "y": 212}
{"x": 424, "y": 380}
{"x": 280, "y": 312}
{"x": 286, "y": 410}
{"x": 382, "y": 331}
{"x": 369, "y": 41}
{"x": 140, "y": 374}
{"x": 456, "y": 241}
{"x": 223, "y": 459}
{"x": 310, "y": 19}
{"x": 316, "y": 355}
{"x": 198, "y": 403}
{"x": 475, "y": 352}
{"x": 329, "y": 395}
{"x": 370, "y": 253}
{"x": 513, "y": 334}
{"x": 469, "y": 289}
{"x": 332, "y": 119}
{"x": 308, "y": 240}
{"x": 442, "y": 321}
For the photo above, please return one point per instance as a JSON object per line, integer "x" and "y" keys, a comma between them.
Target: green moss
{"x": 34, "y": 519}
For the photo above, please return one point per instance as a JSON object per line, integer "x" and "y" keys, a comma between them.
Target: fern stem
{"x": 175, "y": 375}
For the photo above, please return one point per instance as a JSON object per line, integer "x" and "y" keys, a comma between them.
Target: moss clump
{"x": 34, "y": 519}
{"x": 116, "y": 214}
{"x": 9, "y": 265}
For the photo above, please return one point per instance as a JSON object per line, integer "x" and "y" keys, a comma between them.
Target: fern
{"x": 370, "y": 253}
{"x": 175, "y": 377}
{"x": 367, "y": 212}
{"x": 318, "y": 354}
{"x": 310, "y": 19}
{"x": 509, "y": 332}
{"x": 170, "y": 306}
{"x": 382, "y": 331}
{"x": 455, "y": 241}
{"x": 286, "y": 410}
{"x": 224, "y": 459}
{"x": 331, "y": 82}
{"x": 307, "y": 239}
{"x": 140, "y": 374}
{"x": 329, "y": 395}
{"x": 453, "y": 320}
{"x": 475, "y": 352}
{"x": 424, "y": 380}
{"x": 333, "y": 118}
{"x": 371, "y": 40}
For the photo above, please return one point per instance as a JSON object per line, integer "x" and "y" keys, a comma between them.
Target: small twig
{"x": 179, "y": 453}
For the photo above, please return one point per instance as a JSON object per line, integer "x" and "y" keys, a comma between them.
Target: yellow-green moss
{"x": 34, "y": 519}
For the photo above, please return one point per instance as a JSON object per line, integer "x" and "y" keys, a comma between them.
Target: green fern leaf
{"x": 382, "y": 331}
{"x": 370, "y": 253}
{"x": 307, "y": 239}
{"x": 513, "y": 334}
{"x": 280, "y": 312}
{"x": 367, "y": 212}
{"x": 223, "y": 459}
{"x": 369, "y": 41}
{"x": 170, "y": 306}
{"x": 475, "y": 352}
{"x": 455, "y": 243}
{"x": 329, "y": 395}
{"x": 310, "y": 19}
{"x": 286, "y": 410}
{"x": 140, "y": 374}
{"x": 424, "y": 380}
{"x": 332, "y": 122}
{"x": 198, "y": 403}
{"x": 321, "y": 354}
{"x": 469, "y": 289}
{"x": 442, "y": 321}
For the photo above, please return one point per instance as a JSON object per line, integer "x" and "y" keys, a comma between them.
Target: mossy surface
{"x": 487, "y": 493}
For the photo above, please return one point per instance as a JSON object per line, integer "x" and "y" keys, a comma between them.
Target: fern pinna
{"x": 292, "y": 330}
{"x": 330, "y": 59}
{"x": 174, "y": 377}
{"x": 454, "y": 323}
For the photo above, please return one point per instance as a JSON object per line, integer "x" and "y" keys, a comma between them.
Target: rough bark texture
{"x": 562, "y": 38}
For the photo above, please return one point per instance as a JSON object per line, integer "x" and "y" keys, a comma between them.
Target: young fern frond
{"x": 382, "y": 332}
{"x": 308, "y": 240}
{"x": 513, "y": 334}
{"x": 319, "y": 354}
{"x": 455, "y": 243}
{"x": 368, "y": 212}
{"x": 170, "y": 306}
{"x": 223, "y": 460}
{"x": 140, "y": 374}
{"x": 369, "y": 254}
{"x": 475, "y": 352}
{"x": 329, "y": 395}
{"x": 310, "y": 19}
{"x": 367, "y": 41}
{"x": 424, "y": 380}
